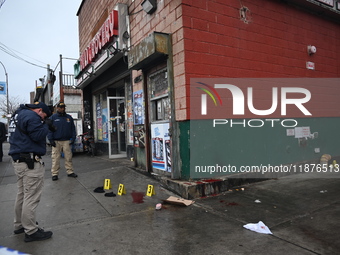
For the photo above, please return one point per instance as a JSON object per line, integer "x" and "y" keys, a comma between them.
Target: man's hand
{"x": 49, "y": 123}
{"x": 53, "y": 144}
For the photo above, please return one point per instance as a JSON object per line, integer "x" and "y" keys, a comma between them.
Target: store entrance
{"x": 117, "y": 127}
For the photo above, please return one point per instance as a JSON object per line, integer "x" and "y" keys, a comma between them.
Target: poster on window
{"x": 129, "y": 122}
{"x": 160, "y": 139}
{"x": 105, "y": 124}
{"x": 99, "y": 122}
{"x": 138, "y": 107}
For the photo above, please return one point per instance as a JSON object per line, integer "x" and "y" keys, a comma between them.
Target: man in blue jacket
{"x": 62, "y": 140}
{"x": 27, "y": 137}
{"x": 3, "y": 138}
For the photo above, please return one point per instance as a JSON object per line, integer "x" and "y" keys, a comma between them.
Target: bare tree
{"x": 13, "y": 104}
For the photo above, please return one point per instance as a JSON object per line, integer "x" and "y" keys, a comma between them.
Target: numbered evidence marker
{"x": 150, "y": 191}
{"x": 121, "y": 189}
{"x": 107, "y": 184}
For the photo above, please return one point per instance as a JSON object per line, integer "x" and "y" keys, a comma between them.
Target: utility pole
{"x": 61, "y": 79}
{"x": 7, "y": 101}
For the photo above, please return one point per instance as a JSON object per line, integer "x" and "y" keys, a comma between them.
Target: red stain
{"x": 232, "y": 204}
{"x": 137, "y": 197}
{"x": 212, "y": 180}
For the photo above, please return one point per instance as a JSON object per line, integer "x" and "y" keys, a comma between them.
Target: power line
{"x": 10, "y": 52}
{"x": 13, "y": 50}
{"x": 2, "y": 2}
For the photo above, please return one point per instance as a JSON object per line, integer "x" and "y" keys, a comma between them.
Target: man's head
{"x": 40, "y": 108}
{"x": 61, "y": 107}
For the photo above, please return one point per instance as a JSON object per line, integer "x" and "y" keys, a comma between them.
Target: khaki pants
{"x": 30, "y": 183}
{"x": 61, "y": 146}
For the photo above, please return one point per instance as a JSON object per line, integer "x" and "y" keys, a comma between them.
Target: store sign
{"x": 310, "y": 65}
{"x": 104, "y": 36}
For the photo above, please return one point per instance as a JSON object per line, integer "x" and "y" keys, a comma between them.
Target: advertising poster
{"x": 129, "y": 122}
{"x": 138, "y": 107}
{"x": 105, "y": 124}
{"x": 160, "y": 140}
{"x": 99, "y": 122}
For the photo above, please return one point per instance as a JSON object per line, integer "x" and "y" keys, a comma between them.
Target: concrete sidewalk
{"x": 303, "y": 215}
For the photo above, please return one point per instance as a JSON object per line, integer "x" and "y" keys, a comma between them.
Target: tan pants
{"x": 61, "y": 146}
{"x": 30, "y": 183}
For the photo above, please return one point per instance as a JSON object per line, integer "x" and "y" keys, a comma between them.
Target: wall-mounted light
{"x": 149, "y": 6}
{"x": 113, "y": 50}
{"x": 126, "y": 36}
{"x": 311, "y": 49}
{"x": 138, "y": 79}
{"x": 88, "y": 73}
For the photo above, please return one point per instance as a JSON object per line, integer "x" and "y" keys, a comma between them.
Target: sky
{"x": 37, "y": 31}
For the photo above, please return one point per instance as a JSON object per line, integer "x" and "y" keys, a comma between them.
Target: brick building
{"x": 140, "y": 60}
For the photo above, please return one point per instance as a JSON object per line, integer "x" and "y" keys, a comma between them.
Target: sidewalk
{"x": 302, "y": 214}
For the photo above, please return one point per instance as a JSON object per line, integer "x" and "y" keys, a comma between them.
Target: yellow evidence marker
{"x": 121, "y": 189}
{"x": 107, "y": 184}
{"x": 150, "y": 191}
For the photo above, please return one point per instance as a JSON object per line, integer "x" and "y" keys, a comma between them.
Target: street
{"x": 303, "y": 215}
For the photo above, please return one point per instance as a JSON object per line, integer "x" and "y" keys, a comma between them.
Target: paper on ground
{"x": 178, "y": 201}
{"x": 259, "y": 227}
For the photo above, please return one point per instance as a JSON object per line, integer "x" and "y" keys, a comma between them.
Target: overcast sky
{"x": 37, "y": 31}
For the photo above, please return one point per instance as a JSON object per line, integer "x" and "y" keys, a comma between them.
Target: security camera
{"x": 311, "y": 49}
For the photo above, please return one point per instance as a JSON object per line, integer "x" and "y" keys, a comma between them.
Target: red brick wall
{"x": 210, "y": 40}
{"x": 166, "y": 19}
{"x": 272, "y": 44}
{"x": 90, "y": 17}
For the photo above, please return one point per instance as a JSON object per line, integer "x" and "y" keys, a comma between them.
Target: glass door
{"x": 117, "y": 127}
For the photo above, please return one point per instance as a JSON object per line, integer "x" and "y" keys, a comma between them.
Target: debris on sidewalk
{"x": 324, "y": 159}
{"x": 323, "y": 191}
{"x": 158, "y": 206}
{"x": 99, "y": 190}
{"x": 259, "y": 227}
{"x": 110, "y": 194}
{"x": 257, "y": 201}
{"x": 178, "y": 201}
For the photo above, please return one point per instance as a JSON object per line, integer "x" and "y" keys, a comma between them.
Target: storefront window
{"x": 160, "y": 114}
{"x": 101, "y": 117}
{"x": 129, "y": 111}
{"x": 158, "y": 87}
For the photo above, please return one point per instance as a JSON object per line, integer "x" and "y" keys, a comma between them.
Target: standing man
{"x": 3, "y": 138}
{"x": 61, "y": 141}
{"x": 27, "y": 138}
